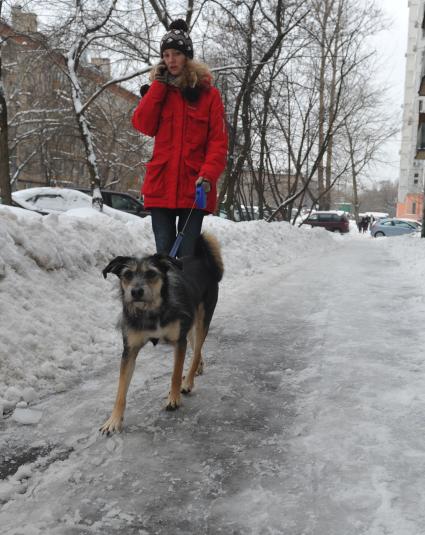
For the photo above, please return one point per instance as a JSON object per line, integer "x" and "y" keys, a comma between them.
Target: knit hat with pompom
{"x": 178, "y": 38}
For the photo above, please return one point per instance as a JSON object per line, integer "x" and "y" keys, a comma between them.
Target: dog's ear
{"x": 117, "y": 265}
{"x": 165, "y": 262}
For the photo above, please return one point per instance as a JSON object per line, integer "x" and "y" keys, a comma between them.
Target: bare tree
{"x": 92, "y": 26}
{"x": 45, "y": 132}
{"x": 251, "y": 35}
{"x": 5, "y": 187}
{"x": 365, "y": 134}
{"x": 318, "y": 107}
{"x": 343, "y": 26}
{"x": 84, "y": 34}
{"x": 380, "y": 197}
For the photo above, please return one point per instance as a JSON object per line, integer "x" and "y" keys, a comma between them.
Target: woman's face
{"x": 174, "y": 60}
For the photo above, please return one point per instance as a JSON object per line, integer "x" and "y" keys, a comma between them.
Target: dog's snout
{"x": 137, "y": 293}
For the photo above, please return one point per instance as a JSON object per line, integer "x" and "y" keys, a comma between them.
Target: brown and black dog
{"x": 168, "y": 300}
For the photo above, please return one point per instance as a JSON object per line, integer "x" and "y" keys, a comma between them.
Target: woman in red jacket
{"x": 184, "y": 113}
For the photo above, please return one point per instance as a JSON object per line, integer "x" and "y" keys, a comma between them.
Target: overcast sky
{"x": 392, "y": 44}
{"x": 391, "y": 47}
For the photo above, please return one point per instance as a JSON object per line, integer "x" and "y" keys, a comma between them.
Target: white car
{"x": 45, "y": 200}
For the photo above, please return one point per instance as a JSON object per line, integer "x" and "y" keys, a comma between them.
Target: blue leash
{"x": 179, "y": 239}
{"x": 200, "y": 202}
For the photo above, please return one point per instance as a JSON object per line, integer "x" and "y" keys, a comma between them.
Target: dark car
{"x": 332, "y": 221}
{"x": 121, "y": 201}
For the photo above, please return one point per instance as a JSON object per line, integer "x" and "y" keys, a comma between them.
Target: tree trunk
{"x": 324, "y": 51}
{"x": 355, "y": 197}
{"x": 84, "y": 129}
{"x": 331, "y": 108}
{"x": 5, "y": 187}
{"x": 354, "y": 174}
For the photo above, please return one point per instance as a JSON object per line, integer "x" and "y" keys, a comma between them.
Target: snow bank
{"x": 58, "y": 313}
{"x": 410, "y": 247}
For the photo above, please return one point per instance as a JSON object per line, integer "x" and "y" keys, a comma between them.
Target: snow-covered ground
{"x": 309, "y": 419}
{"x": 57, "y": 310}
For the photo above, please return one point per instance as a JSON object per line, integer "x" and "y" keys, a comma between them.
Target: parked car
{"x": 332, "y": 221}
{"x": 245, "y": 213}
{"x": 393, "y": 227}
{"x": 121, "y": 201}
{"x": 46, "y": 200}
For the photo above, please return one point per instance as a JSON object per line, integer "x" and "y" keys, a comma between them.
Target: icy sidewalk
{"x": 308, "y": 419}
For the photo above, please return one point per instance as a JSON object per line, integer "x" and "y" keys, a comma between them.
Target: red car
{"x": 332, "y": 221}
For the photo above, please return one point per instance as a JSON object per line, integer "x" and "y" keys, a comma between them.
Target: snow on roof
{"x": 376, "y": 215}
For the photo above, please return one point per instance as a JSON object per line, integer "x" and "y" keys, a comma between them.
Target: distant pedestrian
{"x": 364, "y": 224}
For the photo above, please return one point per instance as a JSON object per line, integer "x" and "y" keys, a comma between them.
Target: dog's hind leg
{"x": 174, "y": 401}
{"x": 197, "y": 365}
{"x": 128, "y": 362}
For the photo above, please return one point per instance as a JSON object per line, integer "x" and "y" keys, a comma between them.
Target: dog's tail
{"x": 208, "y": 248}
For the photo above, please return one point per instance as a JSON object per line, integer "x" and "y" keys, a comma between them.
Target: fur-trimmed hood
{"x": 195, "y": 77}
{"x": 195, "y": 74}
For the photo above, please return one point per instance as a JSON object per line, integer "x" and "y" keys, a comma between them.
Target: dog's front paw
{"x": 187, "y": 386}
{"x": 112, "y": 425}
{"x": 200, "y": 369}
{"x": 173, "y": 402}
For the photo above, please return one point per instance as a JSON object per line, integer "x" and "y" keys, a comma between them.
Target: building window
{"x": 421, "y": 136}
{"x": 413, "y": 208}
{"x": 415, "y": 181}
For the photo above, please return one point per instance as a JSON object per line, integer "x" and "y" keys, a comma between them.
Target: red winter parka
{"x": 190, "y": 142}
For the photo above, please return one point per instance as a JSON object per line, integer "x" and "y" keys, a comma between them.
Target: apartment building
{"x": 412, "y": 153}
{"x": 45, "y": 143}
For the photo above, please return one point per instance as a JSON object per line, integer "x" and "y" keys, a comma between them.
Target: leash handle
{"x": 200, "y": 197}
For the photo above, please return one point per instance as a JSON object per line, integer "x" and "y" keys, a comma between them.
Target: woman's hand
{"x": 205, "y": 184}
{"x": 161, "y": 73}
